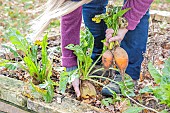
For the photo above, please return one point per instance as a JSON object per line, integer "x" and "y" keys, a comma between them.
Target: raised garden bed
{"x": 12, "y": 90}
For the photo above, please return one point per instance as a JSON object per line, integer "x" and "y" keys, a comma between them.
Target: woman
{"x": 133, "y": 38}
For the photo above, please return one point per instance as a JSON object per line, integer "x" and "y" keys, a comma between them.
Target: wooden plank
{"x": 7, "y": 108}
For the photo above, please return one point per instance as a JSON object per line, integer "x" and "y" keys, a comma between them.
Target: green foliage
{"x": 133, "y": 109}
{"x": 155, "y": 74}
{"x": 114, "y": 20}
{"x": 166, "y": 69}
{"x": 168, "y": 1}
{"x": 63, "y": 81}
{"x": 40, "y": 70}
{"x": 162, "y": 91}
{"x": 147, "y": 89}
{"x": 164, "y": 111}
{"x": 46, "y": 90}
{"x": 83, "y": 53}
{"x": 19, "y": 41}
{"x": 15, "y": 53}
{"x": 111, "y": 18}
{"x": 107, "y": 101}
{"x": 127, "y": 86}
{"x": 10, "y": 66}
{"x": 37, "y": 69}
{"x": 67, "y": 77}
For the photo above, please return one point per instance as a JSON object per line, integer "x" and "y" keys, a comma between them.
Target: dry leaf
{"x": 123, "y": 105}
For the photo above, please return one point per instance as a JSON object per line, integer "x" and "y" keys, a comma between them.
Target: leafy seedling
{"x": 39, "y": 70}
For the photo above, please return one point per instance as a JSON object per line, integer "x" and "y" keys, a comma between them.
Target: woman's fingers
{"x": 108, "y": 36}
{"x": 109, "y": 33}
{"x": 116, "y": 38}
{"x": 106, "y": 43}
{"x": 109, "y": 30}
{"x": 119, "y": 37}
{"x": 76, "y": 84}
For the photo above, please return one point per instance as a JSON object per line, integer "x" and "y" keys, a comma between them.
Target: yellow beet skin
{"x": 107, "y": 59}
{"x": 87, "y": 90}
{"x": 121, "y": 59}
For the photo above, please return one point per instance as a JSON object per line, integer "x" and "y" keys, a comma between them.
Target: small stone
{"x": 59, "y": 100}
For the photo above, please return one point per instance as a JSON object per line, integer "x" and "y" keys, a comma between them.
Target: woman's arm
{"x": 133, "y": 16}
{"x": 138, "y": 9}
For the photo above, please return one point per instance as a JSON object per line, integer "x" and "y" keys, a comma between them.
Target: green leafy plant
{"x": 162, "y": 79}
{"x": 66, "y": 77}
{"x": 39, "y": 70}
{"x": 107, "y": 101}
{"x": 83, "y": 53}
{"x": 46, "y": 90}
{"x": 127, "y": 86}
{"x": 85, "y": 65}
{"x": 133, "y": 109}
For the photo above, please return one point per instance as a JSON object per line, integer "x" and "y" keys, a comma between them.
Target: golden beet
{"x": 107, "y": 59}
{"x": 121, "y": 59}
{"x": 87, "y": 89}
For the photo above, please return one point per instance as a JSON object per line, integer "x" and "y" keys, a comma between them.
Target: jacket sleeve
{"x": 137, "y": 11}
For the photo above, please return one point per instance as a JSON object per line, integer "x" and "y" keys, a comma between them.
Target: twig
{"x": 151, "y": 109}
{"x": 103, "y": 78}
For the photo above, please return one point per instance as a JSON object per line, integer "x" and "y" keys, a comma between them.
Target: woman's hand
{"x": 119, "y": 37}
{"x": 76, "y": 84}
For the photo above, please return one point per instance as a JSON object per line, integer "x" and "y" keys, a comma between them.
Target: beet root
{"x": 87, "y": 89}
{"x": 121, "y": 59}
{"x": 107, "y": 59}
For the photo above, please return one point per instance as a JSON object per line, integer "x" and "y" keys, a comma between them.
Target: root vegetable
{"x": 107, "y": 59}
{"x": 87, "y": 89}
{"x": 121, "y": 60}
